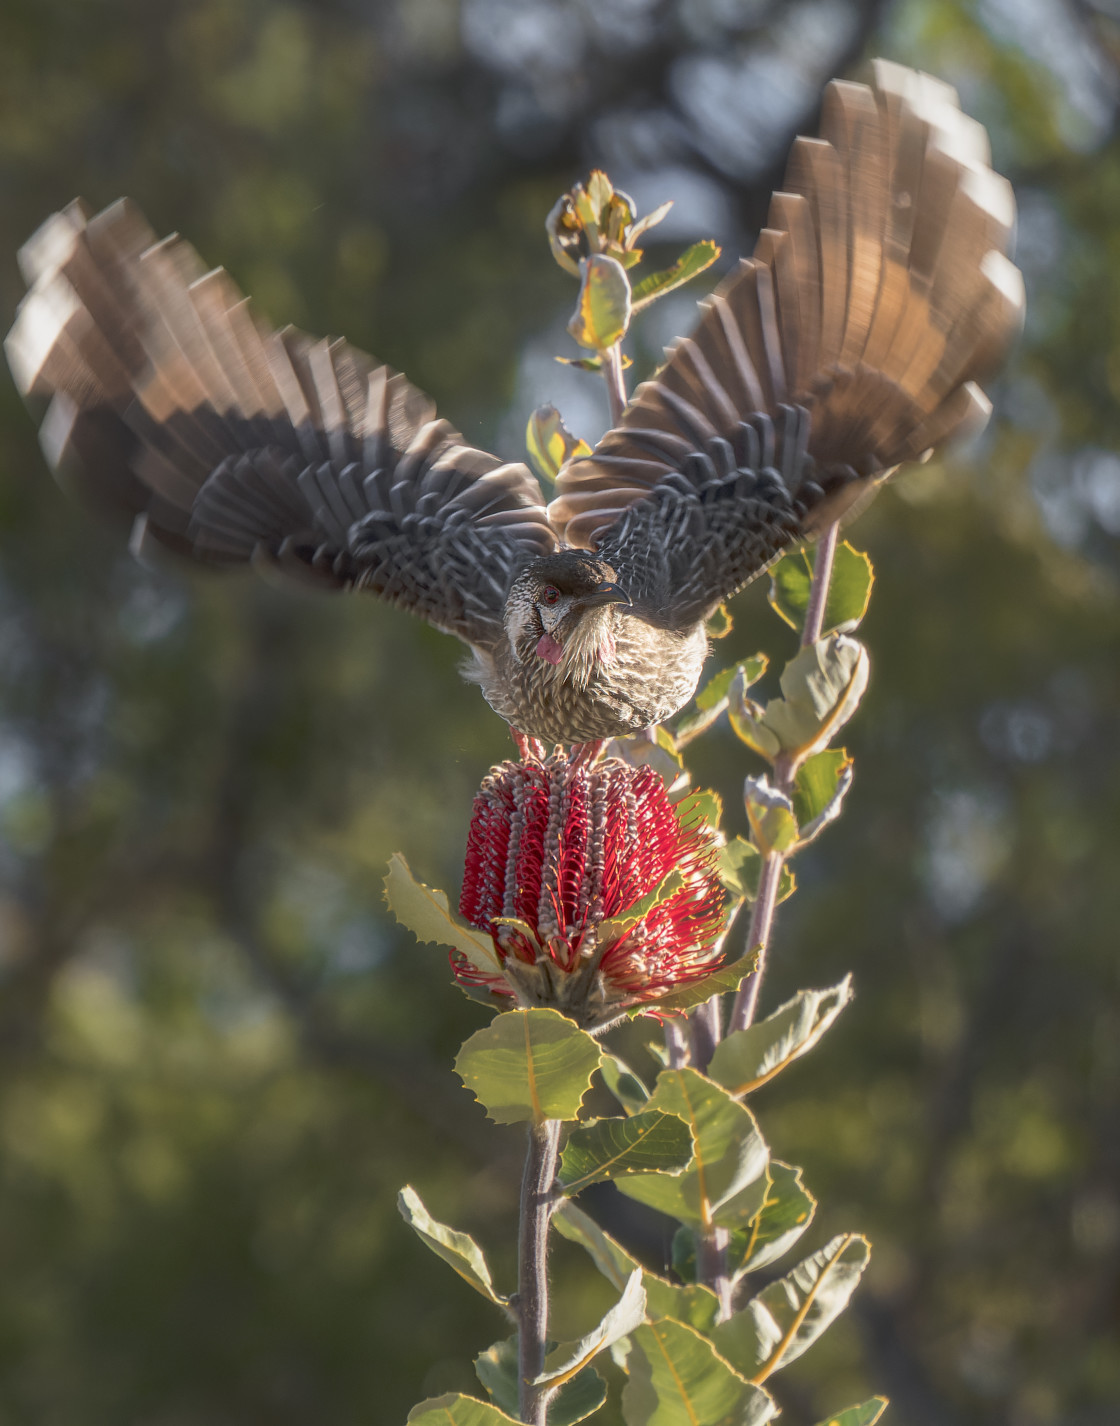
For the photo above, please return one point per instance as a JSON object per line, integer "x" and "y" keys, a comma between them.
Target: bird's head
{"x": 559, "y": 608}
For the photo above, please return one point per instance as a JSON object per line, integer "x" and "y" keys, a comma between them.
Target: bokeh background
{"x": 218, "y": 1059}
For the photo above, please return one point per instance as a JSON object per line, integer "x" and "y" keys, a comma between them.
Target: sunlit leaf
{"x": 770, "y": 814}
{"x": 849, "y": 589}
{"x": 691, "y": 1303}
{"x": 819, "y": 789}
{"x": 866, "y": 1414}
{"x": 642, "y": 226}
{"x": 746, "y": 1059}
{"x": 716, "y": 689}
{"x": 602, "y": 312}
{"x": 719, "y": 624}
{"x": 497, "y": 1370}
{"x": 726, "y": 1181}
{"x": 458, "y": 1249}
{"x": 676, "y": 1378}
{"x": 788, "y": 1316}
{"x": 550, "y": 443}
{"x": 630, "y": 1309}
{"x": 729, "y": 977}
{"x": 457, "y": 1410}
{"x": 427, "y": 914}
{"x": 528, "y": 1064}
{"x": 786, "y": 1213}
{"x": 611, "y": 1148}
{"x": 690, "y": 264}
{"x": 593, "y": 363}
{"x": 863, "y": 1415}
{"x": 784, "y": 1216}
{"x": 701, "y": 807}
{"x": 821, "y": 686}
{"x": 740, "y": 866}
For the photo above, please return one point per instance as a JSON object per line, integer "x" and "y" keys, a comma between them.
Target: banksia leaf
{"x": 528, "y": 1065}
{"x": 690, "y": 264}
{"x": 726, "y": 1181}
{"x": 652, "y": 1142}
{"x": 849, "y": 588}
{"x": 749, "y": 1058}
{"x": 550, "y": 444}
{"x": 602, "y": 313}
{"x": 577, "y": 1399}
{"x": 677, "y": 1378}
{"x": 454, "y": 1409}
{"x": 788, "y": 1316}
{"x": 457, "y": 1249}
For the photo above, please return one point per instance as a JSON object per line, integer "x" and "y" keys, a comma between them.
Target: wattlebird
{"x": 850, "y": 343}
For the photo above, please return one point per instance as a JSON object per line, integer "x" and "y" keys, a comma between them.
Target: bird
{"x": 849, "y": 343}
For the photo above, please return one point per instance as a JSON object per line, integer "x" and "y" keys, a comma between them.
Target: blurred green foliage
{"x": 219, "y": 1058}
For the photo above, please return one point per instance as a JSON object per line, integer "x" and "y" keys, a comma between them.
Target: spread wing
{"x": 172, "y": 405}
{"x": 850, "y": 342}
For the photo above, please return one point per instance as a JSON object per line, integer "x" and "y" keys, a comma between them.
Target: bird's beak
{"x": 606, "y": 593}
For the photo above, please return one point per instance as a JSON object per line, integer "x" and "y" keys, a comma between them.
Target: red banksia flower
{"x": 595, "y": 896}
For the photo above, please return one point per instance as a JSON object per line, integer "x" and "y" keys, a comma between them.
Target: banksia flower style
{"x": 597, "y": 898}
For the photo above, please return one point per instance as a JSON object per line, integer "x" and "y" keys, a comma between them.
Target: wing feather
{"x": 171, "y": 404}
{"x": 877, "y": 297}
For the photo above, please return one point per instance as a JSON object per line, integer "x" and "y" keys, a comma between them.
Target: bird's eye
{"x": 549, "y": 594}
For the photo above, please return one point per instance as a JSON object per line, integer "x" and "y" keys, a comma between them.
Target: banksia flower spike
{"x": 597, "y": 899}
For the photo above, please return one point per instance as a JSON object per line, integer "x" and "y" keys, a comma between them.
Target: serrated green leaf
{"x": 701, "y": 807}
{"x": 643, "y": 225}
{"x": 640, "y": 751}
{"x": 786, "y": 1213}
{"x": 727, "y": 978}
{"x": 550, "y": 444}
{"x": 457, "y": 1249}
{"x": 849, "y": 589}
{"x": 592, "y": 363}
{"x": 726, "y": 1181}
{"x": 716, "y": 689}
{"x": 630, "y": 1310}
{"x": 528, "y": 1064}
{"x": 866, "y": 1414}
{"x": 602, "y": 312}
{"x": 676, "y": 1378}
{"x": 819, "y": 788}
{"x": 497, "y": 1370}
{"x": 650, "y": 1142}
{"x": 690, "y": 264}
{"x": 747, "y": 1059}
{"x": 719, "y": 624}
{"x": 692, "y": 1303}
{"x": 770, "y": 814}
{"x": 454, "y": 1409}
{"x": 627, "y": 1087}
{"x": 788, "y": 1316}
{"x": 821, "y": 688}
{"x": 746, "y": 719}
{"x": 740, "y": 866}
{"x": 426, "y": 913}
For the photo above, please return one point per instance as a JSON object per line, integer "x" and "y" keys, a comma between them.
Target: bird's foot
{"x": 528, "y": 749}
{"x": 584, "y": 754}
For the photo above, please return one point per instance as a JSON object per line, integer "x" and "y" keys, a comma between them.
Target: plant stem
{"x": 785, "y": 769}
{"x": 711, "y": 1267}
{"x": 818, "y": 590}
{"x": 616, "y": 382}
{"x": 532, "y": 1269}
